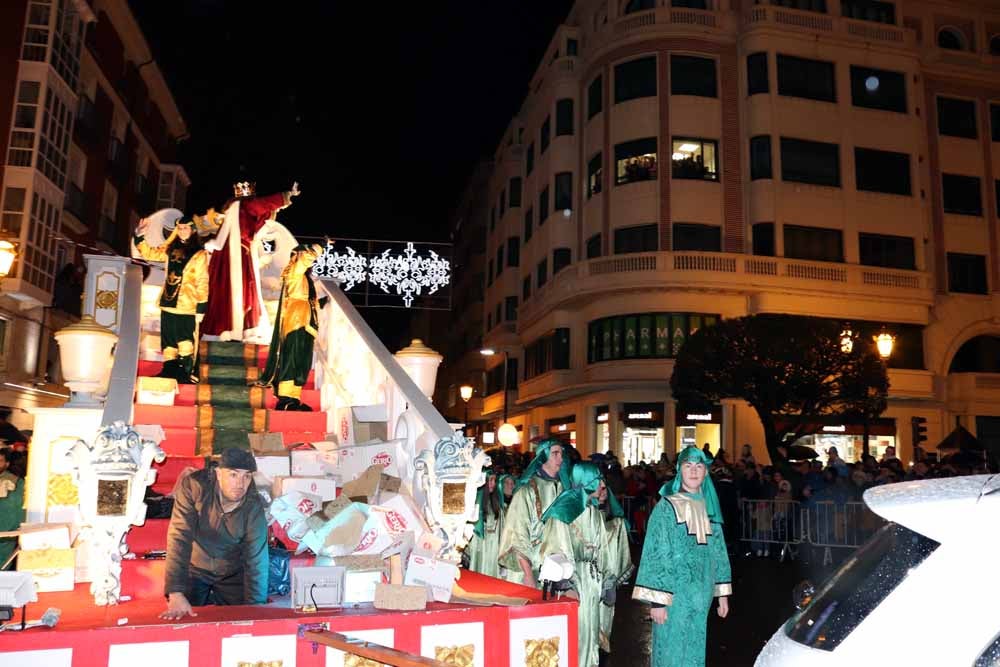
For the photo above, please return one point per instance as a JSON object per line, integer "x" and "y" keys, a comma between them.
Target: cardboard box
{"x": 360, "y": 424}
{"x": 37, "y": 536}
{"x": 337, "y": 536}
{"x": 291, "y": 511}
{"x": 359, "y": 585}
{"x": 264, "y": 444}
{"x": 323, "y": 487}
{"x": 156, "y": 391}
{"x": 374, "y": 537}
{"x": 53, "y": 569}
{"x": 273, "y": 466}
{"x": 400, "y": 598}
{"x": 400, "y": 514}
{"x": 351, "y": 461}
{"x": 308, "y": 463}
{"x": 437, "y": 575}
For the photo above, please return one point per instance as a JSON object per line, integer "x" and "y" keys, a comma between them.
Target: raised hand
{"x": 294, "y": 192}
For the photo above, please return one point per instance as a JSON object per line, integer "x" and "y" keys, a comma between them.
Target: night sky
{"x": 379, "y": 110}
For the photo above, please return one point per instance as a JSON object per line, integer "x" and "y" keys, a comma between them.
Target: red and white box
{"x": 437, "y": 575}
{"x": 324, "y": 487}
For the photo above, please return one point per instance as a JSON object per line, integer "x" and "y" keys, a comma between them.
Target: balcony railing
{"x": 784, "y": 18}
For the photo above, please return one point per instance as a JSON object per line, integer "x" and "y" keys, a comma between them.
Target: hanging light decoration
{"x": 846, "y": 340}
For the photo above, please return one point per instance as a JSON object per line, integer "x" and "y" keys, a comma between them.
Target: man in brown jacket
{"x": 217, "y": 540}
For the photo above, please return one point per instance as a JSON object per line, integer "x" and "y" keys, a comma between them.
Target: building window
{"x": 632, "y": 6}
{"x": 818, "y": 6}
{"x": 995, "y": 45}
{"x": 763, "y": 239}
{"x": 635, "y": 79}
{"x": 690, "y": 75}
{"x": 542, "y": 273}
{"x": 561, "y": 258}
{"x": 510, "y": 308}
{"x": 813, "y": 162}
{"x": 595, "y": 97}
{"x": 514, "y": 251}
{"x": 595, "y": 175}
{"x": 489, "y": 273}
{"x": 869, "y": 10}
{"x": 641, "y": 238}
{"x": 515, "y": 191}
{"x": 594, "y": 243}
{"x": 995, "y": 122}
{"x": 499, "y": 260}
{"x": 760, "y": 157}
{"x": 529, "y": 159}
{"x": 572, "y": 47}
{"x": 544, "y": 135}
{"x": 894, "y": 252}
{"x": 489, "y": 321}
{"x": 757, "y": 78}
{"x": 961, "y": 194}
{"x": 653, "y": 335}
{"x": 957, "y": 118}
{"x": 13, "y": 210}
{"x": 996, "y": 193}
{"x": 495, "y": 378}
{"x": 543, "y": 206}
{"x": 878, "y": 89}
{"x": 22, "y": 136}
{"x": 882, "y": 171}
{"x": 967, "y": 273}
{"x": 811, "y": 79}
{"x": 690, "y": 4}
{"x": 564, "y": 117}
{"x": 695, "y": 237}
{"x": 814, "y": 243}
{"x": 695, "y": 159}
{"x": 497, "y": 317}
{"x": 548, "y": 353}
{"x": 635, "y": 161}
{"x": 36, "y": 32}
{"x": 493, "y": 218}
{"x": 526, "y": 289}
{"x": 503, "y": 203}
{"x": 951, "y": 39}
{"x": 528, "y": 224}
{"x": 564, "y": 191}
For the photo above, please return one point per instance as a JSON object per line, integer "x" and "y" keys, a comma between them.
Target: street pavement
{"x": 761, "y": 602}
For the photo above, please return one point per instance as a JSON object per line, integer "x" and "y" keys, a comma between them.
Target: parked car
{"x": 924, "y": 590}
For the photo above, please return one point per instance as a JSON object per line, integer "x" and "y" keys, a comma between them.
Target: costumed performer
{"x": 290, "y": 356}
{"x": 217, "y": 540}
{"x": 484, "y": 547}
{"x": 11, "y": 505}
{"x": 545, "y": 478}
{"x": 236, "y": 304}
{"x": 184, "y": 297}
{"x": 684, "y": 564}
{"x": 574, "y": 526}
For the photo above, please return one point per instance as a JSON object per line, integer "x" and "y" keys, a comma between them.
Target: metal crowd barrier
{"x": 787, "y": 525}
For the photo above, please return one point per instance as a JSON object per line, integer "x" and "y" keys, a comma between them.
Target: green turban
{"x": 692, "y": 454}
{"x": 586, "y": 479}
{"x": 541, "y": 456}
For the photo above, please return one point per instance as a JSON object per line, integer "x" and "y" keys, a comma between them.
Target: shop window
{"x": 810, "y": 79}
{"x": 813, "y": 162}
{"x": 763, "y": 239}
{"x": 813, "y": 243}
{"x": 632, "y": 6}
{"x": 957, "y": 118}
{"x": 961, "y": 194}
{"x": 595, "y": 175}
{"x": 878, "y": 89}
{"x": 641, "y": 238}
{"x": 760, "y": 157}
{"x": 895, "y": 252}
{"x": 510, "y": 308}
{"x": 564, "y": 117}
{"x": 643, "y": 335}
{"x": 704, "y": 238}
{"x": 691, "y": 75}
{"x": 544, "y": 135}
{"x": 542, "y": 273}
{"x": 543, "y": 205}
{"x": 526, "y": 289}
{"x": 757, "y": 77}
{"x": 635, "y": 79}
{"x": 561, "y": 258}
{"x": 882, "y": 171}
{"x": 528, "y": 224}
{"x": 635, "y": 161}
{"x": 695, "y": 159}
{"x": 515, "y": 192}
{"x": 869, "y": 10}
{"x": 548, "y": 353}
{"x": 967, "y": 273}
{"x": 594, "y": 243}
{"x": 529, "y": 159}
{"x": 514, "y": 251}
{"x": 595, "y": 97}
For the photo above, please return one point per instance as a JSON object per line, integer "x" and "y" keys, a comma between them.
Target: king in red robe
{"x": 235, "y": 303}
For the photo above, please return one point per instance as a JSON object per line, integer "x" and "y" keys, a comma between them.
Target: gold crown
{"x": 244, "y": 189}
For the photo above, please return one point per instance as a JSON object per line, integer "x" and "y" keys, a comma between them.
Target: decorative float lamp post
{"x": 465, "y": 391}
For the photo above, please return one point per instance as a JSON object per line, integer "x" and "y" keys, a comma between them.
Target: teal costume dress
{"x": 522, "y": 529}
{"x": 684, "y": 565}
{"x": 484, "y": 547}
{"x": 11, "y": 511}
{"x": 575, "y": 527}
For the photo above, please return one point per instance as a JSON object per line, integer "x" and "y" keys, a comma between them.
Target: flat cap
{"x": 239, "y": 459}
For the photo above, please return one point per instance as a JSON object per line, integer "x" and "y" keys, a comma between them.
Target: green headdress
{"x": 479, "y": 528}
{"x": 500, "y": 482}
{"x": 569, "y": 504}
{"x": 541, "y": 456}
{"x": 692, "y": 454}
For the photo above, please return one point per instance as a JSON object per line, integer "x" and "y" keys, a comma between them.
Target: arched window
{"x": 995, "y": 45}
{"x": 951, "y": 38}
{"x": 632, "y": 6}
{"x": 977, "y": 355}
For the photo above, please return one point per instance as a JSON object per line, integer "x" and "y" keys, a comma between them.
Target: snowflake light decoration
{"x": 349, "y": 268}
{"x": 408, "y": 273}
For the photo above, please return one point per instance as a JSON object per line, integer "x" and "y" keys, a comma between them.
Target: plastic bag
{"x": 279, "y": 574}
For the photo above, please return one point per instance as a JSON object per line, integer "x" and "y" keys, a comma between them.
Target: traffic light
{"x": 918, "y": 425}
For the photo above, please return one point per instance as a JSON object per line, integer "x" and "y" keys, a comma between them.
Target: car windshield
{"x": 860, "y": 585}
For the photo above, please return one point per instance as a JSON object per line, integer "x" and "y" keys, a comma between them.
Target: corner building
{"x": 679, "y": 162}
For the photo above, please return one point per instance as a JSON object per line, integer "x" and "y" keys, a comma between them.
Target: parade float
{"x": 371, "y": 491}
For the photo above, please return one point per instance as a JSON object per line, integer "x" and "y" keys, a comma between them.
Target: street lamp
{"x": 465, "y": 391}
{"x": 884, "y": 342}
{"x": 8, "y": 253}
{"x": 507, "y": 433}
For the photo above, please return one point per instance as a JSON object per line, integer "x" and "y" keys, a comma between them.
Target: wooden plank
{"x": 370, "y": 650}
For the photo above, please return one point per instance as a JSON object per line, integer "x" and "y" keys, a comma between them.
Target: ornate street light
{"x": 884, "y": 342}
{"x": 8, "y": 253}
{"x": 507, "y": 433}
{"x": 465, "y": 391}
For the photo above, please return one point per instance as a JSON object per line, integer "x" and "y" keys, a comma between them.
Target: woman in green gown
{"x": 484, "y": 547}
{"x": 684, "y": 564}
{"x": 574, "y": 526}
